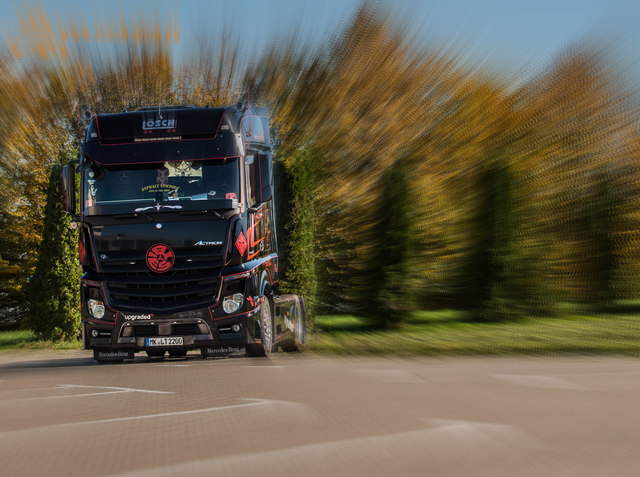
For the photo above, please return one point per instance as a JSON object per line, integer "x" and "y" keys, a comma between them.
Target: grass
{"x": 25, "y": 339}
{"x": 451, "y": 332}
{"x": 447, "y": 332}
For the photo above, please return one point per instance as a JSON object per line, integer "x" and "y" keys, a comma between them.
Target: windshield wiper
{"x": 201, "y": 212}
{"x": 146, "y": 216}
{"x": 134, "y": 216}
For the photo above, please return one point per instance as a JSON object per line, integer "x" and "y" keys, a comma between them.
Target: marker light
{"x": 232, "y": 303}
{"x": 96, "y": 308}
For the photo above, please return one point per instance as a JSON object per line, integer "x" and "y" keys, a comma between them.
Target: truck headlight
{"x": 232, "y": 303}
{"x": 96, "y": 308}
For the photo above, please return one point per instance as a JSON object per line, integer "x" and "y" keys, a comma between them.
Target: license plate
{"x": 173, "y": 341}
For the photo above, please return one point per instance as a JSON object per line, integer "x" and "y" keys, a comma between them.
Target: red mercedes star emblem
{"x": 160, "y": 258}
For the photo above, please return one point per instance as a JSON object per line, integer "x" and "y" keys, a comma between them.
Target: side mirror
{"x": 265, "y": 172}
{"x": 69, "y": 189}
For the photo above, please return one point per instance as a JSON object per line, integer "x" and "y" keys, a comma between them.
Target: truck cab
{"x": 177, "y": 235}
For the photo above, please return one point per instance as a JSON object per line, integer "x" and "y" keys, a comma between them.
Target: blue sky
{"x": 505, "y": 32}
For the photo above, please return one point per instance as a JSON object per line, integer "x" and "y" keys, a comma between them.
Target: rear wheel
{"x": 299, "y": 330}
{"x": 266, "y": 333}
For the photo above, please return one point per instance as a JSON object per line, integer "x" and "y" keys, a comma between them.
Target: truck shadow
{"x": 49, "y": 363}
{"x": 89, "y": 361}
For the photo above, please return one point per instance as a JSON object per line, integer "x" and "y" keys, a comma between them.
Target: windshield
{"x": 160, "y": 182}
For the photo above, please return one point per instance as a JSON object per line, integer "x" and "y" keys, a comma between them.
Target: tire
{"x": 263, "y": 349}
{"x": 177, "y": 353}
{"x": 300, "y": 330}
{"x": 155, "y": 353}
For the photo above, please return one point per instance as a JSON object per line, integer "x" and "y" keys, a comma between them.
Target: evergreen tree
{"x": 604, "y": 216}
{"x": 497, "y": 291}
{"x": 383, "y": 287}
{"x": 54, "y": 302}
{"x": 395, "y": 297}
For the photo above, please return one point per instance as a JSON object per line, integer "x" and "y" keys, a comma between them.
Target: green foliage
{"x": 54, "y": 302}
{"x": 298, "y": 217}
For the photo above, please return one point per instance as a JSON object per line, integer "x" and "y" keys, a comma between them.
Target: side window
{"x": 257, "y": 131}
{"x": 251, "y": 180}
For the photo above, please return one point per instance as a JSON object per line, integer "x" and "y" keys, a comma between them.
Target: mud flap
{"x": 211, "y": 352}
{"x": 104, "y": 355}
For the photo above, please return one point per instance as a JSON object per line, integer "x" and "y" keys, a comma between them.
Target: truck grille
{"x": 185, "y": 329}
{"x": 144, "y": 331}
{"x": 191, "y": 283}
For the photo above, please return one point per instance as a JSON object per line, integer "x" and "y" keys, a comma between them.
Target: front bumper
{"x": 215, "y": 336}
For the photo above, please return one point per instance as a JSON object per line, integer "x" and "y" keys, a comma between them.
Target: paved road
{"x": 62, "y": 415}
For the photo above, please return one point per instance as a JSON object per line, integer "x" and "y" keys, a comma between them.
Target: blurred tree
{"x": 41, "y": 103}
{"x": 579, "y": 117}
{"x": 31, "y": 133}
{"x": 519, "y": 197}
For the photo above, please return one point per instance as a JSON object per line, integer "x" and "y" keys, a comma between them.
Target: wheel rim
{"x": 267, "y": 329}
{"x": 299, "y": 325}
{"x": 299, "y": 332}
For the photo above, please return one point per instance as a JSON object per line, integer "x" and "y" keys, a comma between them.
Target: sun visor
{"x": 161, "y": 124}
{"x": 222, "y": 146}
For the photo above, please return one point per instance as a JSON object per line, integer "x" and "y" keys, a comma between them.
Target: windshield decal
{"x": 160, "y": 188}
{"x": 183, "y": 169}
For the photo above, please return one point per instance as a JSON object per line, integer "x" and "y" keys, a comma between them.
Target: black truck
{"x": 177, "y": 235}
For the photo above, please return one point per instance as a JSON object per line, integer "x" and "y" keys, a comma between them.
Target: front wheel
{"x": 264, "y": 347}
